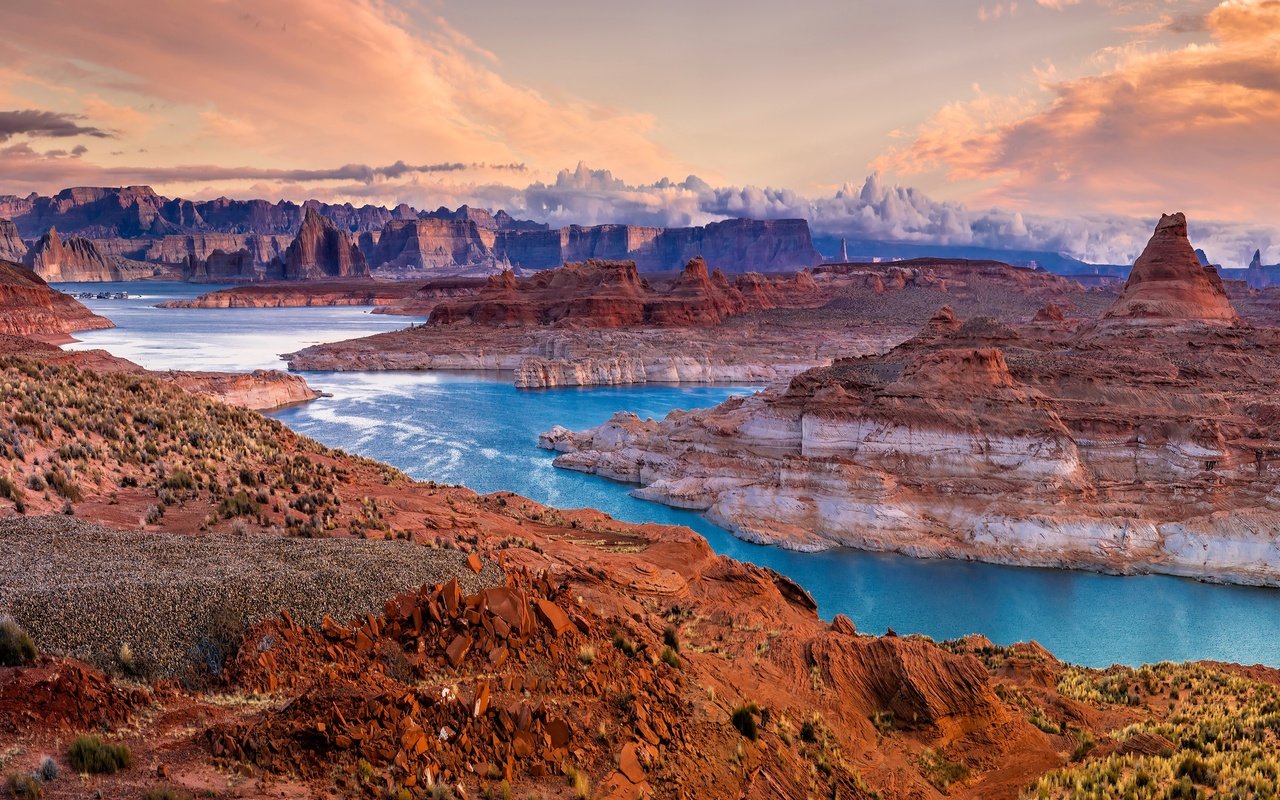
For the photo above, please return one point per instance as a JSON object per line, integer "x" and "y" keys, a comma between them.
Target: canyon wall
{"x": 1144, "y": 440}
{"x": 30, "y": 307}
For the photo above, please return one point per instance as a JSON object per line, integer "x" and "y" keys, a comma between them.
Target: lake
{"x": 480, "y": 431}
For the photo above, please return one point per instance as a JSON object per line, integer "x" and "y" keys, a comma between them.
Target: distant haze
{"x": 1064, "y": 125}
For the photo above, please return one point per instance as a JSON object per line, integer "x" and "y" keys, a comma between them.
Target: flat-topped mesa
{"x": 322, "y": 250}
{"x": 1168, "y": 283}
{"x": 612, "y": 294}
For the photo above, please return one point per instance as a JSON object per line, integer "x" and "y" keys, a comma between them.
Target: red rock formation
{"x": 1126, "y": 447}
{"x": 220, "y": 266}
{"x": 322, "y": 250}
{"x": 78, "y": 259}
{"x": 330, "y": 292}
{"x": 612, "y": 294}
{"x": 1168, "y": 283}
{"x": 29, "y": 307}
{"x": 12, "y": 248}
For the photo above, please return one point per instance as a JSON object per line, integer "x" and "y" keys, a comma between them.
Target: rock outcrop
{"x": 561, "y": 328}
{"x": 612, "y": 294}
{"x": 1124, "y": 447}
{"x": 322, "y": 250}
{"x": 30, "y": 307}
{"x": 12, "y": 248}
{"x": 293, "y": 294}
{"x": 77, "y": 259}
{"x": 1168, "y": 283}
{"x": 220, "y": 266}
{"x": 439, "y": 246}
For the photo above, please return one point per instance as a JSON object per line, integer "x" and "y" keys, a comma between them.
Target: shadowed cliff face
{"x": 321, "y": 250}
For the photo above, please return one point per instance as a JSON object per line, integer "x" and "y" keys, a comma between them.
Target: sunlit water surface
{"x": 481, "y": 432}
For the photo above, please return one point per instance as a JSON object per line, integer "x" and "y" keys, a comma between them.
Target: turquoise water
{"x": 482, "y": 432}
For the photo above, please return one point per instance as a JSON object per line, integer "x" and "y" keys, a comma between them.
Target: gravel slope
{"x": 180, "y": 602}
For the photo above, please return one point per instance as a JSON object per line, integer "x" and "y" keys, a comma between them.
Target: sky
{"x": 1066, "y": 125}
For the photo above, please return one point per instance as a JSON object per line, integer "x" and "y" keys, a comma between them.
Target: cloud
{"x": 1192, "y": 127}
{"x": 32, "y": 122}
{"x": 302, "y": 82}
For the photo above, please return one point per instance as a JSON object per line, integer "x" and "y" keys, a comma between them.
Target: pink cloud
{"x": 1193, "y": 127}
{"x": 305, "y": 83}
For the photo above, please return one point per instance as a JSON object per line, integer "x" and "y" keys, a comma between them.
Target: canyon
{"x": 606, "y": 323}
{"x": 556, "y": 650}
{"x": 133, "y": 226}
{"x": 1141, "y": 439}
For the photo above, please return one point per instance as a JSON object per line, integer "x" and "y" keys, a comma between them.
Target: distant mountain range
{"x": 99, "y": 233}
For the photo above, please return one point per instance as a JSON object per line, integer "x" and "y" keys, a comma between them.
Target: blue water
{"x": 482, "y": 432}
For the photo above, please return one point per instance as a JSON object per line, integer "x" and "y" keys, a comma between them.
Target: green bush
{"x": 91, "y": 754}
{"x": 16, "y": 647}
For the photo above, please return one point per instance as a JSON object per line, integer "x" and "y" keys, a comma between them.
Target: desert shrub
{"x": 49, "y": 769}
{"x": 744, "y": 719}
{"x": 624, "y": 644}
{"x": 9, "y": 489}
{"x": 16, "y": 647}
{"x": 237, "y": 505}
{"x": 940, "y": 771}
{"x": 24, "y": 787}
{"x": 671, "y": 637}
{"x": 670, "y": 658}
{"x": 63, "y": 485}
{"x": 181, "y": 480}
{"x": 92, "y": 755}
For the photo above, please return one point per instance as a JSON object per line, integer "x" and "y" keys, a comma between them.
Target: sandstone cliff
{"x": 12, "y": 248}
{"x": 333, "y": 292}
{"x": 220, "y": 266}
{"x": 30, "y": 307}
{"x": 322, "y": 250}
{"x": 612, "y": 294}
{"x": 78, "y": 259}
{"x": 1130, "y": 447}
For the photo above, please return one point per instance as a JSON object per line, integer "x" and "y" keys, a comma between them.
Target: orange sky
{"x": 1048, "y": 107}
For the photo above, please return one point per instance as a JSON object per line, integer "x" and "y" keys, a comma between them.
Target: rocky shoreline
{"x": 1141, "y": 441}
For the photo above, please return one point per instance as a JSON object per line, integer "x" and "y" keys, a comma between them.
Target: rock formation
{"x": 1126, "y": 446}
{"x": 220, "y": 266}
{"x": 363, "y": 292}
{"x": 321, "y": 250}
{"x": 1168, "y": 283}
{"x": 441, "y": 246}
{"x": 611, "y": 294}
{"x": 561, "y": 327}
{"x": 12, "y": 248}
{"x": 136, "y": 223}
{"x": 78, "y": 259}
{"x": 551, "y": 652}
{"x": 30, "y": 307}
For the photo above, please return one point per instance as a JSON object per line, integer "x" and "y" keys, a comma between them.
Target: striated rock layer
{"x": 30, "y": 307}
{"x": 12, "y": 248}
{"x": 611, "y": 294}
{"x": 334, "y": 292}
{"x": 1151, "y": 446}
{"x": 322, "y": 250}
{"x": 601, "y": 323}
{"x": 78, "y": 259}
